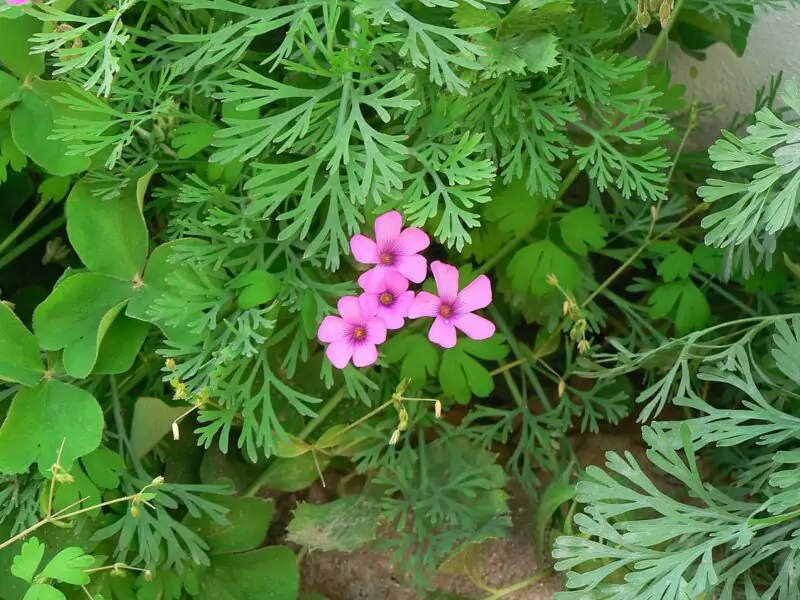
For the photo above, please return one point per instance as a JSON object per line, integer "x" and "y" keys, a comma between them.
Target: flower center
{"x": 386, "y": 299}
{"x": 446, "y": 311}
{"x": 359, "y": 333}
{"x": 386, "y": 258}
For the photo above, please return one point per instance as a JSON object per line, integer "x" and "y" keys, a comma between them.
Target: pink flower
{"x": 393, "y": 249}
{"x": 353, "y": 336}
{"x": 388, "y": 298}
{"x": 17, "y": 2}
{"x": 454, "y": 309}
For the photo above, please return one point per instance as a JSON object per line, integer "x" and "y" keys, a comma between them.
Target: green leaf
{"x": 34, "y": 120}
{"x": 95, "y": 472}
{"x": 110, "y": 236}
{"x": 787, "y": 348}
{"x": 54, "y": 188}
{"x": 27, "y": 561}
{"x": 461, "y": 376}
{"x": 69, "y": 566}
{"x": 193, "y": 138}
{"x": 257, "y": 287}
{"x": 152, "y": 420}
{"x": 15, "y": 51}
{"x": 249, "y": 521}
{"x": 582, "y": 229}
{"x": 342, "y": 525}
{"x": 42, "y": 591}
{"x": 20, "y": 359}
{"x": 514, "y": 208}
{"x": 692, "y": 310}
{"x": 420, "y": 358}
{"x": 530, "y": 16}
{"x": 43, "y": 418}
{"x": 295, "y": 474}
{"x": 10, "y": 88}
{"x": 76, "y": 316}
{"x": 468, "y": 15}
{"x": 677, "y": 262}
{"x": 267, "y": 574}
{"x": 556, "y": 494}
{"x": 120, "y": 346}
{"x": 531, "y": 265}
{"x": 539, "y": 54}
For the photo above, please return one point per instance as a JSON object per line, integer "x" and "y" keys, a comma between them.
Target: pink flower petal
{"x": 364, "y": 249}
{"x": 376, "y": 331}
{"x": 369, "y": 304}
{"x": 365, "y": 354}
{"x": 474, "y": 326}
{"x": 332, "y": 329}
{"x": 391, "y": 317}
{"x": 425, "y": 304}
{"x": 339, "y": 353}
{"x": 443, "y": 333}
{"x": 478, "y": 294}
{"x": 413, "y": 240}
{"x": 402, "y": 303}
{"x": 394, "y": 282}
{"x": 372, "y": 279}
{"x": 387, "y": 228}
{"x": 350, "y": 310}
{"x": 446, "y": 277}
{"x": 413, "y": 267}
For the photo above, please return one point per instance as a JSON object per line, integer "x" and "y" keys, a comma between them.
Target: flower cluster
{"x": 387, "y": 302}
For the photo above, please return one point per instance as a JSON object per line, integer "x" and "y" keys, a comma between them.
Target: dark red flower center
{"x": 387, "y": 259}
{"x": 359, "y": 333}
{"x": 446, "y": 311}
{"x": 386, "y": 299}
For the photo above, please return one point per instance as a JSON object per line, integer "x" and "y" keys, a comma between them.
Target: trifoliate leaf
{"x": 419, "y": 357}
{"x": 27, "y": 561}
{"x": 54, "y": 188}
{"x": 20, "y": 359}
{"x": 247, "y": 527}
{"x": 342, "y": 525}
{"x": 120, "y": 345}
{"x": 531, "y": 266}
{"x": 514, "y": 209}
{"x": 34, "y": 120}
{"x": 43, "y": 418}
{"x": 110, "y": 236}
{"x": 256, "y": 287}
{"x": 15, "y": 51}
{"x": 270, "y": 573}
{"x": 193, "y": 138}
{"x": 582, "y": 229}
{"x": 461, "y": 376}
{"x": 677, "y": 262}
{"x": 692, "y": 312}
{"x": 76, "y": 316}
{"x": 69, "y": 566}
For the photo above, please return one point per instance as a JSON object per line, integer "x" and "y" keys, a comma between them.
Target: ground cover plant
{"x": 405, "y": 251}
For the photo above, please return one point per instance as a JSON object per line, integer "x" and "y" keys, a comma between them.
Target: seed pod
{"x": 643, "y": 19}
{"x": 665, "y": 13}
{"x": 653, "y": 5}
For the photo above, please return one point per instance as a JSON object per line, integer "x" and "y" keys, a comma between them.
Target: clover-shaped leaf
{"x": 27, "y": 561}
{"x": 69, "y": 566}
{"x": 461, "y": 376}
{"x": 581, "y": 229}
{"x": 50, "y": 418}
{"x": 20, "y": 360}
{"x": 530, "y": 267}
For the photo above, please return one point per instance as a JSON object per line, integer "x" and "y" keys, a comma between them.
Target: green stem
{"x": 26, "y": 222}
{"x": 533, "y": 579}
{"x": 323, "y": 414}
{"x": 122, "y": 434}
{"x": 664, "y": 35}
{"x": 23, "y": 247}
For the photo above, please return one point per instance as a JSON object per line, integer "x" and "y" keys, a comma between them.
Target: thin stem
{"x": 323, "y": 414}
{"x": 664, "y": 34}
{"x": 31, "y": 241}
{"x": 122, "y": 434}
{"x": 26, "y": 222}
{"x": 533, "y": 579}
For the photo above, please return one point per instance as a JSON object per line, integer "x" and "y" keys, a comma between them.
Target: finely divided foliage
{"x": 537, "y": 243}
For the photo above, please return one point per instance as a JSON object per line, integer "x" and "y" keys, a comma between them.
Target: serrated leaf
{"x": 20, "y": 358}
{"x": 468, "y": 15}
{"x": 43, "y": 418}
{"x": 419, "y": 358}
{"x": 530, "y": 16}
{"x": 110, "y": 236}
{"x": 76, "y": 316}
{"x": 677, "y": 262}
{"x": 54, "y": 188}
{"x": 461, "y": 376}
{"x": 248, "y": 523}
{"x": 692, "y": 310}
{"x": 267, "y": 574}
{"x": 27, "y": 561}
{"x": 539, "y": 54}
{"x": 69, "y": 566}
{"x": 342, "y": 525}
{"x": 582, "y": 229}
{"x": 33, "y": 121}
{"x": 530, "y": 267}
{"x": 514, "y": 208}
